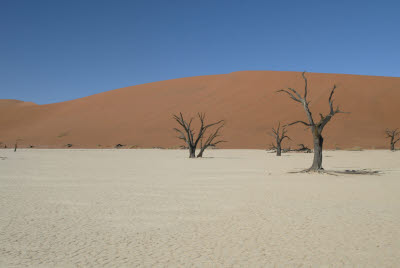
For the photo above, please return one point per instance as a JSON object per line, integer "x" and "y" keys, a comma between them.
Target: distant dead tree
{"x": 16, "y": 144}
{"x": 119, "y": 145}
{"x": 279, "y": 135}
{"x": 188, "y": 134}
{"x": 303, "y": 148}
{"x": 394, "y": 136}
{"x": 316, "y": 128}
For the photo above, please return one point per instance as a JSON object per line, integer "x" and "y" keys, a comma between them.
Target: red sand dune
{"x": 142, "y": 115}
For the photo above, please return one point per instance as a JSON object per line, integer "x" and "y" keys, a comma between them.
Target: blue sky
{"x": 52, "y": 51}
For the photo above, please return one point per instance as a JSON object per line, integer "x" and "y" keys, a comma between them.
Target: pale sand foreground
{"x": 126, "y": 208}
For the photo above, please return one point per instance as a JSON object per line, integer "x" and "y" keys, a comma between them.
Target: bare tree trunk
{"x": 318, "y": 144}
{"x": 192, "y": 152}
{"x": 15, "y": 148}
{"x": 201, "y": 153}
{"x": 278, "y": 150}
{"x": 392, "y": 146}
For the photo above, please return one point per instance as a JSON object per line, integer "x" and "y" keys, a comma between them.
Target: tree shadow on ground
{"x": 341, "y": 172}
{"x": 218, "y": 157}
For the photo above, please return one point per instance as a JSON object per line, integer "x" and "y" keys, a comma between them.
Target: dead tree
{"x": 16, "y": 145}
{"x": 303, "y": 148}
{"x": 279, "y": 137}
{"x": 188, "y": 134}
{"x": 394, "y": 136}
{"x": 316, "y": 128}
{"x": 119, "y": 145}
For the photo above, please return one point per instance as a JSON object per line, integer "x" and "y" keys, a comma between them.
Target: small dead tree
{"x": 303, "y": 148}
{"x": 316, "y": 128}
{"x": 279, "y": 135}
{"x": 188, "y": 134}
{"x": 16, "y": 145}
{"x": 394, "y": 136}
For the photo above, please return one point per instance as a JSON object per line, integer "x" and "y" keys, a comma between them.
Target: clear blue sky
{"x": 57, "y": 50}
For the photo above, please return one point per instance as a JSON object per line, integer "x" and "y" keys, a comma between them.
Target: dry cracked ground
{"x": 234, "y": 208}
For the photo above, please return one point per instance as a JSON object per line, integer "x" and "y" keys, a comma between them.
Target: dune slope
{"x": 142, "y": 115}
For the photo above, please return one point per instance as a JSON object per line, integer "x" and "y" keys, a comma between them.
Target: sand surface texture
{"x": 141, "y": 116}
{"x": 235, "y": 208}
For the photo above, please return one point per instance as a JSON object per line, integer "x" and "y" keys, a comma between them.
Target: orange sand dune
{"x": 142, "y": 115}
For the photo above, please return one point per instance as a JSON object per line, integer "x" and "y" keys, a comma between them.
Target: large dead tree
{"x": 188, "y": 135}
{"x": 394, "y": 136}
{"x": 316, "y": 127}
{"x": 279, "y": 135}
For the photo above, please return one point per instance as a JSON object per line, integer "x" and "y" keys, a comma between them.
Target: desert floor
{"x": 126, "y": 208}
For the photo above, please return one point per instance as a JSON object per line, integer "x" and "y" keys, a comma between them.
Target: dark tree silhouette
{"x": 316, "y": 128}
{"x": 279, "y": 135}
{"x": 188, "y": 135}
{"x": 394, "y": 136}
{"x": 16, "y": 145}
{"x": 303, "y": 148}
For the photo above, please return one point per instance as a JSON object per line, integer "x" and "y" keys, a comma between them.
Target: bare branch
{"x": 296, "y": 122}
{"x": 325, "y": 119}
{"x": 210, "y": 140}
{"x": 395, "y": 141}
{"x": 295, "y": 92}
{"x": 330, "y": 99}
{"x": 203, "y": 127}
{"x": 214, "y": 135}
{"x": 290, "y": 94}
{"x": 182, "y": 136}
{"x": 305, "y": 86}
{"x": 215, "y": 143}
{"x": 181, "y": 121}
{"x": 392, "y": 133}
{"x": 272, "y": 146}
